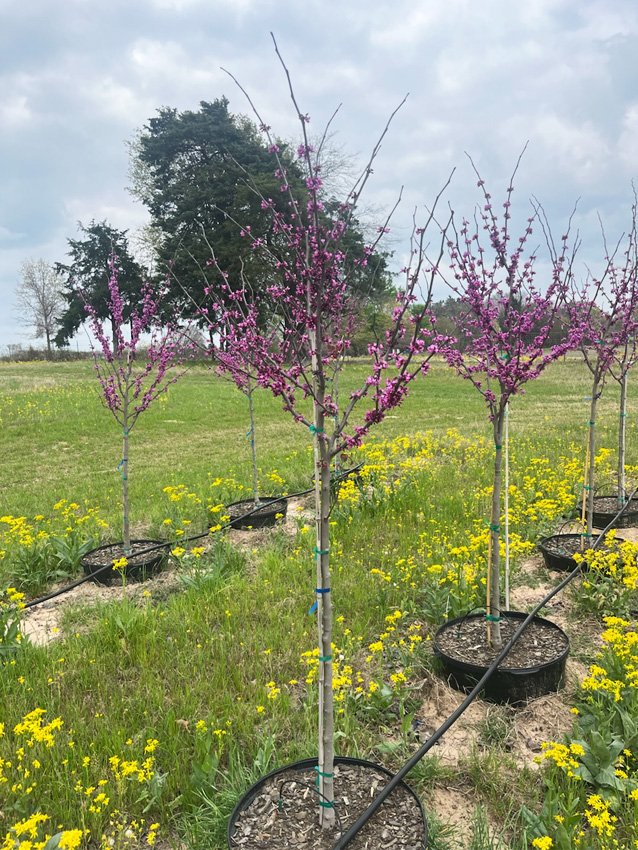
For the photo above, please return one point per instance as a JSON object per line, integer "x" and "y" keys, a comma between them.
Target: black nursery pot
{"x": 507, "y": 684}
{"x": 308, "y": 767}
{"x": 559, "y": 550}
{"x": 138, "y": 568}
{"x": 605, "y": 509}
{"x": 271, "y": 510}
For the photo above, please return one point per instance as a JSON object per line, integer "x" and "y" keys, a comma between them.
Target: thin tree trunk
{"x": 126, "y": 529}
{"x": 335, "y": 399}
{"x": 622, "y": 437}
{"x": 592, "y": 450}
{"x": 49, "y": 352}
{"x": 494, "y": 603}
{"x": 507, "y": 508}
{"x": 324, "y": 624}
{"x": 324, "y": 602}
{"x": 253, "y": 446}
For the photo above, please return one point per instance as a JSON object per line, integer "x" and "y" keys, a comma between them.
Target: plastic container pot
{"x": 138, "y": 568}
{"x": 269, "y": 511}
{"x": 507, "y": 684}
{"x": 306, "y": 772}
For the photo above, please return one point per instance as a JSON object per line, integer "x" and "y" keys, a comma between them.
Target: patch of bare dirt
{"x": 41, "y": 624}
{"x": 456, "y": 807}
{"x": 439, "y": 701}
{"x": 545, "y": 719}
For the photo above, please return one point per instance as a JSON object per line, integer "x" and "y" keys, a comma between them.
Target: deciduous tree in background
{"x": 39, "y": 299}
{"x": 609, "y": 305}
{"x": 202, "y": 174}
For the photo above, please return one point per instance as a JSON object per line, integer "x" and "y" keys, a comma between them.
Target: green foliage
{"x": 161, "y": 663}
{"x": 11, "y": 639}
{"x": 202, "y": 175}
{"x": 87, "y": 277}
{"x": 591, "y": 779}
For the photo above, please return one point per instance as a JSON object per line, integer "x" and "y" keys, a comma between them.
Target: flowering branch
{"x": 504, "y": 329}
{"x": 313, "y": 313}
{"x": 129, "y": 389}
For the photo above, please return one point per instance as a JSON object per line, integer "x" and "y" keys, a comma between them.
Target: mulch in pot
{"x": 267, "y": 512}
{"x": 265, "y": 824}
{"x": 535, "y": 665}
{"x": 468, "y": 642}
{"x": 559, "y": 550}
{"x": 606, "y": 508}
{"x": 138, "y": 568}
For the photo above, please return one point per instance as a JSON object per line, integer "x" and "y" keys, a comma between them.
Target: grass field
{"x": 150, "y": 714}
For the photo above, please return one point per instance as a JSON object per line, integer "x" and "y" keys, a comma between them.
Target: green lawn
{"x": 200, "y": 686}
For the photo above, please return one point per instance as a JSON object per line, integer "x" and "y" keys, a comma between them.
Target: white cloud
{"x": 574, "y": 147}
{"x": 14, "y": 110}
{"x": 628, "y": 141}
{"x": 7, "y": 235}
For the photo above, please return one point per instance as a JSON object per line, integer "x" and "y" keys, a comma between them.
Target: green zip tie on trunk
{"x": 321, "y": 773}
{"x": 592, "y": 422}
{"x": 493, "y": 526}
{"x": 623, "y": 415}
{"x": 321, "y": 551}
{"x": 314, "y": 430}
{"x": 325, "y": 658}
{"x": 587, "y": 487}
{"x": 498, "y": 448}
{"x": 327, "y": 805}
{"x": 492, "y": 619}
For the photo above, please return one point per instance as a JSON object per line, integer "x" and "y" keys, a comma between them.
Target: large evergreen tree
{"x": 203, "y": 177}
{"x": 87, "y": 277}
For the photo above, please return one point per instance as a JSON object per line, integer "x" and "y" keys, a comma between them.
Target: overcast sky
{"x": 78, "y": 77}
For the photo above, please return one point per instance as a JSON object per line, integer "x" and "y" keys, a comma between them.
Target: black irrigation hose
{"x": 165, "y": 545}
{"x": 407, "y": 767}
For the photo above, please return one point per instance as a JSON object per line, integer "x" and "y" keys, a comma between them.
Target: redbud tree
{"x": 299, "y": 354}
{"x": 131, "y": 379}
{"x": 504, "y": 331}
{"x": 609, "y": 305}
{"x": 239, "y": 371}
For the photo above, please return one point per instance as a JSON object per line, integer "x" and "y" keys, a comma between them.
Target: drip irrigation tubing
{"x": 167, "y": 544}
{"x": 345, "y": 839}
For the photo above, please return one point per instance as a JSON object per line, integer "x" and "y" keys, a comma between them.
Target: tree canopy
{"x": 39, "y": 298}
{"x": 87, "y": 277}
{"x": 203, "y": 176}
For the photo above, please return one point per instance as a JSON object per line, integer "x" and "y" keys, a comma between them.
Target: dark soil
{"x": 606, "y": 508}
{"x": 265, "y": 515}
{"x": 138, "y": 567}
{"x": 467, "y": 641}
{"x": 397, "y": 824}
{"x": 564, "y": 544}
{"x": 569, "y": 544}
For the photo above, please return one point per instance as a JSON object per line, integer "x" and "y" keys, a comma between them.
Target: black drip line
{"x": 167, "y": 544}
{"x": 438, "y": 734}
{"x": 345, "y": 839}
